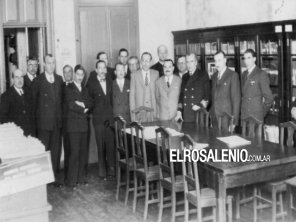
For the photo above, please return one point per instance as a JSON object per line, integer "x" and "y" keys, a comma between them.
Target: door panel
{"x": 93, "y": 34}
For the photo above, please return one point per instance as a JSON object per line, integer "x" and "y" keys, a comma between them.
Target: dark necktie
{"x": 168, "y": 84}
{"x": 146, "y": 79}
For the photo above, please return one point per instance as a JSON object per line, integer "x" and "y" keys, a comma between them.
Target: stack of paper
{"x": 234, "y": 141}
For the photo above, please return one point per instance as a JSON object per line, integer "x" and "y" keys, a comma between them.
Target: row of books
{"x": 244, "y": 45}
{"x": 180, "y": 49}
{"x": 195, "y": 48}
{"x": 211, "y": 48}
{"x": 269, "y": 47}
{"x": 228, "y": 48}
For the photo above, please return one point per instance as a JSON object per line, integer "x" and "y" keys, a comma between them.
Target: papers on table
{"x": 234, "y": 141}
{"x": 200, "y": 146}
{"x": 149, "y": 132}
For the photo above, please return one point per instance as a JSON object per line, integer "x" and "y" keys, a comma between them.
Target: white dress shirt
{"x": 120, "y": 83}
{"x": 49, "y": 77}
{"x": 182, "y": 74}
{"x": 144, "y": 75}
{"x": 103, "y": 84}
{"x": 31, "y": 77}
{"x": 19, "y": 91}
{"x": 220, "y": 74}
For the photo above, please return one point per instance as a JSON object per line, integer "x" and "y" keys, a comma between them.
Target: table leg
{"x": 289, "y": 203}
{"x": 221, "y": 199}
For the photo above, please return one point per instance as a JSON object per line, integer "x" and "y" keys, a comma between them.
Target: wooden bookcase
{"x": 274, "y": 44}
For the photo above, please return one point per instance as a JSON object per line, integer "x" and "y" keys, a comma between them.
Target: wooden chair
{"x": 168, "y": 180}
{"x": 194, "y": 194}
{"x": 276, "y": 188}
{"x": 123, "y": 161}
{"x": 291, "y": 190}
{"x": 225, "y": 122}
{"x": 252, "y": 127}
{"x": 142, "y": 171}
{"x": 142, "y": 114}
{"x": 202, "y": 117}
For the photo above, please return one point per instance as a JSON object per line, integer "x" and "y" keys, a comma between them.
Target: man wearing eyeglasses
{"x": 32, "y": 69}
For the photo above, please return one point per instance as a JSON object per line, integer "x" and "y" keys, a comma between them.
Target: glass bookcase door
{"x": 244, "y": 44}
{"x": 210, "y": 49}
{"x": 196, "y": 49}
{"x": 228, "y": 47}
{"x": 293, "y": 67}
{"x": 180, "y": 49}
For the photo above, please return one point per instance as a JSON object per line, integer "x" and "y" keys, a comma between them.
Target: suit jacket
{"x": 226, "y": 95}
{"x": 194, "y": 89}
{"x": 167, "y": 97}
{"x": 257, "y": 97}
{"x": 137, "y": 90}
{"x": 47, "y": 106}
{"x": 27, "y": 82}
{"x": 17, "y": 109}
{"x": 65, "y": 109}
{"x": 76, "y": 117}
{"x": 102, "y": 103}
{"x": 121, "y": 100}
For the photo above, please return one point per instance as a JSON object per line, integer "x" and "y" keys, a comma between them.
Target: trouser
{"x": 106, "y": 150}
{"x": 66, "y": 145}
{"x": 51, "y": 141}
{"x": 77, "y": 158}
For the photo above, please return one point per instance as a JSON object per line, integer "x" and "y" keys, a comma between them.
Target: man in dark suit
{"x": 68, "y": 79}
{"x": 257, "y": 97}
{"x": 121, "y": 91}
{"x": 32, "y": 69}
{"x": 110, "y": 71}
{"x": 123, "y": 59}
{"x": 100, "y": 90}
{"x": 195, "y": 91}
{"x": 16, "y": 105}
{"x": 226, "y": 93}
{"x": 78, "y": 103}
{"x": 47, "y": 102}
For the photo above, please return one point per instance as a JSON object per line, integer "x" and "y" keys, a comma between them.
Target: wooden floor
{"x": 96, "y": 202}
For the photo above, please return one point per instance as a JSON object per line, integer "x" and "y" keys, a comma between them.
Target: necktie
{"x": 146, "y": 79}
{"x": 102, "y": 80}
{"x": 168, "y": 84}
{"x": 21, "y": 92}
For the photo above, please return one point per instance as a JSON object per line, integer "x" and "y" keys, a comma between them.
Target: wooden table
{"x": 230, "y": 175}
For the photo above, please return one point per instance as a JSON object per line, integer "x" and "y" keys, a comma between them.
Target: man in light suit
{"x": 142, "y": 92}
{"x": 226, "y": 93}
{"x": 257, "y": 97}
{"x": 167, "y": 92}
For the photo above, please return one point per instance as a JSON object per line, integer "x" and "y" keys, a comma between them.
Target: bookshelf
{"x": 275, "y": 47}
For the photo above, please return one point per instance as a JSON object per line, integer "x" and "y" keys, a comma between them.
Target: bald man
{"x": 16, "y": 105}
{"x": 162, "y": 52}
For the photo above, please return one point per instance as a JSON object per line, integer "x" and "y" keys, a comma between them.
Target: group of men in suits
{"x": 58, "y": 108}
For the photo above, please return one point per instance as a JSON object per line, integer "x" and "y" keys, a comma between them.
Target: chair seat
{"x": 291, "y": 181}
{"x": 122, "y": 162}
{"x": 151, "y": 175}
{"x": 179, "y": 183}
{"x": 280, "y": 186}
{"x": 207, "y": 196}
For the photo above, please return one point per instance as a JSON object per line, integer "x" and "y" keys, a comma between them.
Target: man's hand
{"x": 80, "y": 104}
{"x": 293, "y": 113}
{"x": 195, "y": 107}
{"x": 204, "y": 103}
{"x": 179, "y": 116}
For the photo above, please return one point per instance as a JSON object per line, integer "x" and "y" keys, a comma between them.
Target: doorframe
{"x": 102, "y": 3}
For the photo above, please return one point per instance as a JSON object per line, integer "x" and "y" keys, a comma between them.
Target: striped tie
{"x": 146, "y": 79}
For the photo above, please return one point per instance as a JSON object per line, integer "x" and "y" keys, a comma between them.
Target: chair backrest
{"x": 291, "y": 127}
{"x": 225, "y": 122}
{"x": 202, "y": 117}
{"x": 163, "y": 144}
{"x": 138, "y": 146}
{"x": 121, "y": 139}
{"x": 190, "y": 169}
{"x": 252, "y": 127}
{"x": 142, "y": 114}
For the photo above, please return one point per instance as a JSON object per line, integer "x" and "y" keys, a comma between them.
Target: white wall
{"x": 64, "y": 33}
{"x": 211, "y": 13}
{"x": 157, "y": 19}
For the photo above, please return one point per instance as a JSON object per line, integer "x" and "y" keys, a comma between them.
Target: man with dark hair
{"x": 142, "y": 91}
{"x": 167, "y": 92}
{"x": 100, "y": 90}
{"x": 32, "y": 69}
{"x": 110, "y": 71}
{"x": 257, "y": 97}
{"x": 123, "y": 58}
{"x": 133, "y": 64}
{"x": 47, "y": 96}
{"x": 195, "y": 91}
{"x": 121, "y": 91}
{"x": 226, "y": 92}
{"x": 16, "y": 105}
{"x": 181, "y": 65}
